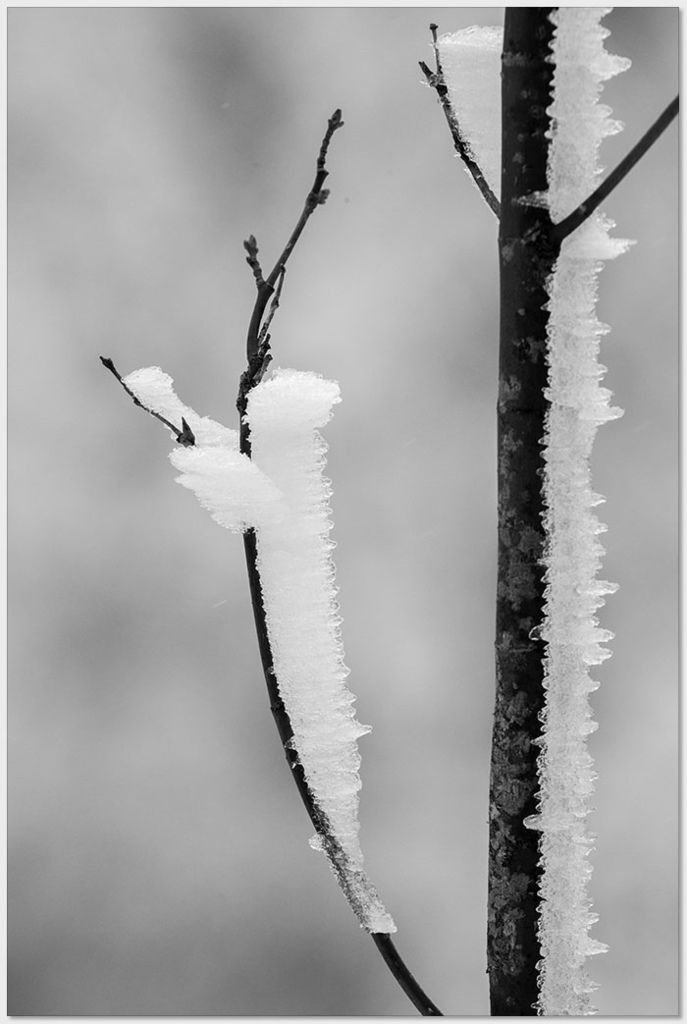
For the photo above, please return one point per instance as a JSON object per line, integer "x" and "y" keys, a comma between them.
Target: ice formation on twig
{"x": 285, "y": 413}
{"x": 231, "y": 487}
{"x": 282, "y": 492}
{"x": 471, "y": 59}
{"x": 579, "y": 405}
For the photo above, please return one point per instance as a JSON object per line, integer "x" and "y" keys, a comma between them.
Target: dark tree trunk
{"x": 526, "y": 254}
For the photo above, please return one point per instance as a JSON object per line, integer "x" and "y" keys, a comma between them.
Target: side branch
{"x": 184, "y": 436}
{"x": 317, "y": 196}
{"x": 436, "y": 81}
{"x": 584, "y": 210}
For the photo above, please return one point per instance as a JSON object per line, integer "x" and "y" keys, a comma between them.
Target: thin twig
{"x": 185, "y": 436}
{"x": 258, "y": 351}
{"x": 436, "y": 81}
{"x": 316, "y": 197}
{"x": 584, "y": 210}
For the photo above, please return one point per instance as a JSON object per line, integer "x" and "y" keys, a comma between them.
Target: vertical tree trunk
{"x": 526, "y": 254}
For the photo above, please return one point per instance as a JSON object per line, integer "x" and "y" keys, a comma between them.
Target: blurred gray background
{"x": 158, "y": 859}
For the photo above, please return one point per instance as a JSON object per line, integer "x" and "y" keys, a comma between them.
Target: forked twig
{"x": 315, "y": 197}
{"x": 258, "y": 353}
{"x": 436, "y": 81}
{"x": 577, "y": 217}
{"x": 258, "y": 359}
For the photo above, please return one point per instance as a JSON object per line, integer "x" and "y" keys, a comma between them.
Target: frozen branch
{"x": 352, "y": 880}
{"x": 436, "y": 81}
{"x": 183, "y": 437}
{"x": 251, "y": 247}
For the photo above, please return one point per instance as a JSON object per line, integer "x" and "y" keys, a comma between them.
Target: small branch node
{"x": 186, "y": 437}
{"x": 335, "y": 122}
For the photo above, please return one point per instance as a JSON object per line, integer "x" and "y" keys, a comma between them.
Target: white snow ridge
{"x": 283, "y": 494}
{"x": 579, "y": 405}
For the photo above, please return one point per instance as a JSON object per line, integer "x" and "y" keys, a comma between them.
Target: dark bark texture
{"x": 526, "y": 254}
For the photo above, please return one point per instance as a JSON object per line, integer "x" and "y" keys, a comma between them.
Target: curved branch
{"x": 258, "y": 359}
{"x": 436, "y": 81}
{"x": 405, "y": 979}
{"x": 337, "y": 856}
{"x": 573, "y": 221}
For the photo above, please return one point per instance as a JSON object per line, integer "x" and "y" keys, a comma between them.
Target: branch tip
{"x": 315, "y": 197}
{"x": 251, "y": 247}
{"x": 184, "y": 436}
{"x": 436, "y": 81}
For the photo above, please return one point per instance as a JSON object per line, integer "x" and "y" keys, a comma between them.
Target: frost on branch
{"x": 235, "y": 492}
{"x": 283, "y": 493}
{"x": 579, "y": 404}
{"x": 299, "y": 595}
{"x": 471, "y": 59}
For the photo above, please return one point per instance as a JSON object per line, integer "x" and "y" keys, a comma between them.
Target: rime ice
{"x": 471, "y": 59}
{"x": 299, "y": 595}
{"x": 283, "y": 493}
{"x": 235, "y": 492}
{"x": 579, "y": 405}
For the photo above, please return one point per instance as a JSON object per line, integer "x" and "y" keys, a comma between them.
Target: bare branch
{"x": 403, "y": 976}
{"x": 185, "y": 436}
{"x": 317, "y": 196}
{"x": 585, "y": 209}
{"x": 436, "y": 81}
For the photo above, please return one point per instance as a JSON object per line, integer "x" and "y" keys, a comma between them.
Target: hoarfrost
{"x": 299, "y": 595}
{"x": 282, "y": 492}
{"x": 231, "y": 487}
{"x": 471, "y": 59}
{"x": 579, "y": 405}
{"x": 155, "y": 389}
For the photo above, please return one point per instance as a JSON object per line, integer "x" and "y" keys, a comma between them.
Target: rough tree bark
{"x": 527, "y": 254}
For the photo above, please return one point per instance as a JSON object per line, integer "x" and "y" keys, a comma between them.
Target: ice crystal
{"x": 578, "y": 406}
{"x": 285, "y": 413}
{"x": 231, "y": 487}
{"x": 282, "y": 492}
{"x": 471, "y": 59}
